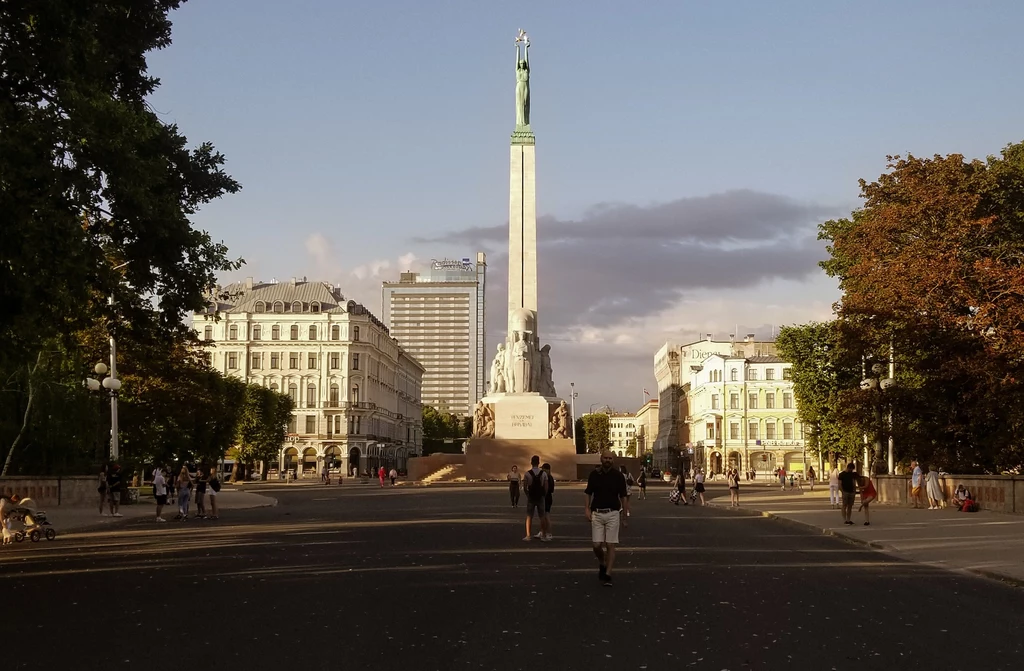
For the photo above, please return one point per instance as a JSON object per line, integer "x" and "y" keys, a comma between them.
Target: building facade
{"x": 356, "y": 390}
{"x": 622, "y": 433}
{"x": 438, "y": 316}
{"x": 646, "y": 427}
{"x": 743, "y": 415}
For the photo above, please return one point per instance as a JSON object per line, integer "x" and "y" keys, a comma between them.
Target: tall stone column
{"x": 522, "y": 227}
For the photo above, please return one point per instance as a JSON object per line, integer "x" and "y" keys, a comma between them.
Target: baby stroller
{"x": 33, "y": 522}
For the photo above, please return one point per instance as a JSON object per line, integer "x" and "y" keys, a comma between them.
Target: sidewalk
{"x": 984, "y": 543}
{"x": 66, "y": 520}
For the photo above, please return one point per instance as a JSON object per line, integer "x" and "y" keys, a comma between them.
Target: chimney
{"x": 709, "y": 337}
{"x": 294, "y": 281}
{"x": 248, "y": 284}
{"x": 751, "y": 336}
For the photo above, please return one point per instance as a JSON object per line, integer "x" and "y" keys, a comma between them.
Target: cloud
{"x": 373, "y": 268}
{"x": 319, "y": 249}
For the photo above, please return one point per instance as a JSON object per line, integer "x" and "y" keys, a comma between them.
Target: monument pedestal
{"x": 493, "y": 458}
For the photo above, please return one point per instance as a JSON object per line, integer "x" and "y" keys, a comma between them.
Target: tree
{"x": 91, "y": 178}
{"x": 933, "y": 264}
{"x": 631, "y": 447}
{"x": 580, "y": 436}
{"x": 595, "y": 428}
{"x": 261, "y": 427}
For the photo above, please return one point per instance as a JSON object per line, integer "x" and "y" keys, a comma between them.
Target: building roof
{"x": 765, "y": 359}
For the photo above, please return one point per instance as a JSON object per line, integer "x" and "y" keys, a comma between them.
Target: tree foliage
{"x": 579, "y": 434}
{"x": 440, "y": 425}
{"x": 595, "y": 428}
{"x": 262, "y": 422}
{"x": 932, "y": 263}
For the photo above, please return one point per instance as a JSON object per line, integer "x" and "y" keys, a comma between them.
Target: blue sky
{"x": 357, "y": 128}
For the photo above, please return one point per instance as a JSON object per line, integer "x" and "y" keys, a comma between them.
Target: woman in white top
{"x": 513, "y": 485}
{"x": 698, "y": 486}
{"x": 833, "y": 486}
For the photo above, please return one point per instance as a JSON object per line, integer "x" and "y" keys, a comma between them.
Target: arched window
{"x": 275, "y": 332}
{"x": 335, "y": 392}
{"x": 279, "y": 306}
{"x": 355, "y": 393}
{"x": 294, "y": 333}
{"x": 355, "y": 333}
{"x": 734, "y": 375}
{"x": 311, "y": 395}
{"x": 257, "y": 332}
{"x": 293, "y": 392}
{"x": 260, "y": 307}
{"x": 208, "y": 333}
{"x": 314, "y": 307}
{"x": 312, "y": 331}
{"x": 273, "y": 386}
{"x": 335, "y": 332}
{"x": 297, "y": 306}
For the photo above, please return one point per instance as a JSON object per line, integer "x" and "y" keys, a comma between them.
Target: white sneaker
{"x": 117, "y": 515}
{"x": 160, "y": 519}
{"x": 546, "y": 539}
{"x": 539, "y": 535}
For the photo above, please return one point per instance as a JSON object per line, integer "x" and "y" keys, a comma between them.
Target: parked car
{"x": 656, "y": 473}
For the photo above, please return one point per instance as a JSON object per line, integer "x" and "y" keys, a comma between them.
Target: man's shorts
{"x": 849, "y": 498}
{"x": 604, "y": 527}
{"x": 161, "y": 499}
{"x": 535, "y": 505}
{"x": 916, "y": 491}
{"x": 547, "y": 505}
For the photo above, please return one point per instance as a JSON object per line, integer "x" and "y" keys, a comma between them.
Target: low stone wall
{"x": 1000, "y": 493}
{"x": 493, "y": 458}
{"x": 420, "y": 467}
{"x": 585, "y": 463}
{"x": 68, "y": 491}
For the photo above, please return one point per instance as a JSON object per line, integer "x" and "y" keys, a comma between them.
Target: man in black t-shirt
{"x": 848, "y": 486}
{"x": 114, "y": 483}
{"x": 606, "y": 495}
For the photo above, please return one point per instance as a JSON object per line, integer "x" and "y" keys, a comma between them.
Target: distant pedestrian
{"x": 548, "y": 500}
{"x": 782, "y": 478}
{"x": 514, "y": 478}
{"x": 811, "y": 476}
{"x": 641, "y": 483}
{"x": 184, "y": 486}
{"x": 698, "y": 486}
{"x": 536, "y": 483}
{"x": 933, "y": 488}
{"x": 680, "y": 485}
{"x": 214, "y": 490}
{"x": 115, "y": 482}
{"x": 916, "y": 483}
{"x": 102, "y": 489}
{"x": 159, "y": 492}
{"x": 629, "y": 480}
{"x": 606, "y": 496}
{"x": 732, "y": 477}
{"x": 201, "y": 482}
{"x": 381, "y": 474}
{"x": 325, "y": 475}
{"x": 848, "y": 484}
{"x": 833, "y": 486}
{"x": 393, "y": 475}
{"x": 867, "y": 495}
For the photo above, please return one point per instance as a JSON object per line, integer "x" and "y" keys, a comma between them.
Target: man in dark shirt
{"x": 606, "y": 496}
{"x": 114, "y": 483}
{"x": 848, "y": 486}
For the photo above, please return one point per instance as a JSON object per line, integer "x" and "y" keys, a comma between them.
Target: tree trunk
{"x": 234, "y": 471}
{"x": 25, "y": 418}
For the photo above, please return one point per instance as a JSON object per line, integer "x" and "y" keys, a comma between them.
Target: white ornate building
{"x": 356, "y": 391}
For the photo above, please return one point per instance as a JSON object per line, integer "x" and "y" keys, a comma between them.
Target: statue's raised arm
{"x": 522, "y": 79}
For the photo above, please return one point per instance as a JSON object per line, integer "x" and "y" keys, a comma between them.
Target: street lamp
{"x": 112, "y": 385}
{"x": 877, "y": 382}
{"x": 572, "y": 408}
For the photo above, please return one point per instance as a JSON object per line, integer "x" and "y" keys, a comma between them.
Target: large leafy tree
{"x": 932, "y": 264}
{"x": 261, "y": 427}
{"x": 595, "y": 428}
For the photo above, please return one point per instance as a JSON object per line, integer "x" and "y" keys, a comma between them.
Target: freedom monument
{"x": 521, "y": 414}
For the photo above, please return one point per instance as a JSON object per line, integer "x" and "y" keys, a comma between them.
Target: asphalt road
{"x": 439, "y": 578}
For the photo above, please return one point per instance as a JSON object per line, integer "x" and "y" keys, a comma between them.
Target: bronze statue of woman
{"x": 523, "y": 84}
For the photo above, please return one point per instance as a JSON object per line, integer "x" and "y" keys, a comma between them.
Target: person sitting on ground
{"x": 961, "y": 495}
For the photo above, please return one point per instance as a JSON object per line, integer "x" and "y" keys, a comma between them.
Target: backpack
{"x": 215, "y": 484}
{"x": 536, "y": 489}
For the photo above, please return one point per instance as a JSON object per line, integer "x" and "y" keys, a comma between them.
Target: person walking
{"x": 933, "y": 488}
{"x": 115, "y": 482}
{"x": 514, "y": 479}
{"x": 641, "y": 483}
{"x": 381, "y": 474}
{"x": 782, "y": 478}
{"x": 811, "y": 476}
{"x": 214, "y": 490}
{"x": 548, "y": 500}
{"x": 848, "y": 484}
{"x": 159, "y": 492}
{"x": 733, "y": 478}
{"x": 393, "y": 475}
{"x": 102, "y": 489}
{"x": 916, "y": 481}
{"x": 606, "y": 496}
{"x": 200, "y": 494}
{"x": 698, "y": 486}
{"x": 833, "y": 486}
{"x": 680, "y": 485}
{"x": 184, "y": 487}
{"x": 536, "y": 484}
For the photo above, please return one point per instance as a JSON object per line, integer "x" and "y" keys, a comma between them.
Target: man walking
{"x": 916, "y": 484}
{"x": 606, "y": 496}
{"x": 537, "y": 484}
{"x": 848, "y": 485}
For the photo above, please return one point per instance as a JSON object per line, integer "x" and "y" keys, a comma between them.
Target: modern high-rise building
{"x": 438, "y": 317}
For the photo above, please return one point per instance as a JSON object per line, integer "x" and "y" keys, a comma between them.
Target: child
{"x": 867, "y": 495}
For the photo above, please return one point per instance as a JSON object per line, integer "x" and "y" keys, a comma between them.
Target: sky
{"x": 686, "y": 151}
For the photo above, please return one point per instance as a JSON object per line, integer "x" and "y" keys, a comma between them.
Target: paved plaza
{"x": 438, "y": 578}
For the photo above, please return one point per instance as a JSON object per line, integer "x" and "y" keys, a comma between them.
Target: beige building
{"x": 438, "y": 317}
{"x": 743, "y": 415}
{"x": 646, "y": 427}
{"x": 356, "y": 391}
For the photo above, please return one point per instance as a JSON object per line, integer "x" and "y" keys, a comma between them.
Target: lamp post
{"x": 877, "y": 382}
{"x": 572, "y": 407}
{"x": 112, "y": 385}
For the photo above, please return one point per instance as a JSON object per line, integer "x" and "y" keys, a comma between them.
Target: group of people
{"x": 678, "y": 493}
{"x": 204, "y": 485}
{"x": 539, "y": 486}
{"x": 849, "y": 484}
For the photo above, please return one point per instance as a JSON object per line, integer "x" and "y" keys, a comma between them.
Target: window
{"x": 208, "y": 333}
{"x": 769, "y": 400}
{"x": 769, "y": 373}
{"x": 260, "y": 307}
{"x": 335, "y": 332}
{"x": 310, "y": 423}
{"x": 273, "y": 386}
{"x": 335, "y": 361}
{"x": 751, "y": 373}
{"x": 293, "y": 360}
{"x": 355, "y": 393}
{"x": 734, "y": 375}
{"x": 233, "y": 332}
{"x": 334, "y": 395}
{"x": 314, "y": 307}
{"x": 787, "y": 431}
{"x": 311, "y": 362}
{"x": 293, "y": 333}
{"x": 337, "y": 424}
{"x": 734, "y": 430}
{"x": 311, "y": 396}
{"x": 734, "y": 401}
{"x": 769, "y": 430}
{"x": 355, "y": 362}
{"x": 275, "y": 332}
{"x": 233, "y": 360}
{"x": 787, "y": 401}
{"x": 787, "y": 373}
{"x": 257, "y": 332}
{"x": 709, "y": 428}
{"x": 312, "y": 331}
{"x": 752, "y": 430}
{"x": 293, "y": 392}
{"x": 291, "y": 424}
{"x": 355, "y": 333}
{"x": 257, "y": 361}
{"x": 279, "y": 306}
{"x": 297, "y": 306}
{"x": 275, "y": 360}
{"x": 752, "y": 401}
{"x": 714, "y": 401}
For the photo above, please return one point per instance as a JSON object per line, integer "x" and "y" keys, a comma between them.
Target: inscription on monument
{"x": 522, "y": 421}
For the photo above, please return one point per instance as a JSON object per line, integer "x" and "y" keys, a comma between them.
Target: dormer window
{"x": 260, "y": 307}
{"x": 297, "y": 306}
{"x": 279, "y": 306}
{"x": 314, "y": 307}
